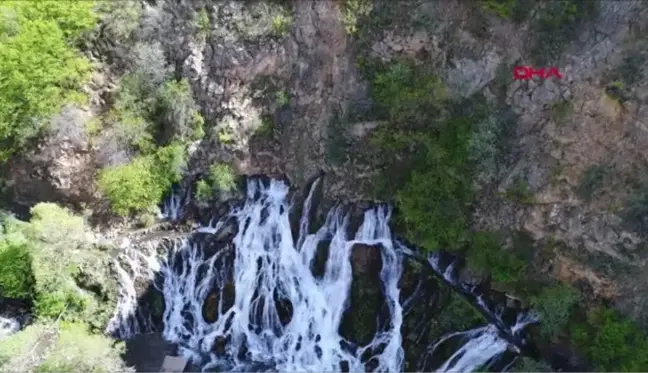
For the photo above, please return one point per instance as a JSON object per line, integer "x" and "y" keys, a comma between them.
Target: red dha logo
{"x": 528, "y": 72}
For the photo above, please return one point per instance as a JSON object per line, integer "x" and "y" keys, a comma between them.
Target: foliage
{"x": 527, "y": 364}
{"x": 41, "y": 70}
{"x": 592, "y": 180}
{"x": 611, "y": 342}
{"x": 119, "y": 19}
{"x": 561, "y": 110}
{"x": 281, "y": 24}
{"x": 203, "y": 23}
{"x": 486, "y": 253}
{"x": 352, "y": 11}
{"x": 16, "y": 348}
{"x": 484, "y": 150}
{"x": 519, "y": 192}
{"x": 178, "y": 113}
{"x": 142, "y": 183}
{"x": 16, "y": 277}
{"x": 222, "y": 177}
{"x": 204, "y": 190}
{"x": 635, "y": 213}
{"x": 617, "y": 90}
{"x": 517, "y": 10}
{"x": 76, "y": 350}
{"x": 555, "y": 305}
{"x": 61, "y": 264}
{"x": 558, "y": 22}
{"x": 409, "y": 95}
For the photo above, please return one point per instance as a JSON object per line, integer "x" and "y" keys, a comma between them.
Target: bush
{"x": 517, "y": 10}
{"x": 204, "y": 190}
{"x": 611, "y": 342}
{"x": 119, "y": 19}
{"x": 281, "y": 24}
{"x": 635, "y": 213}
{"x": 76, "y": 350}
{"x": 41, "y": 70}
{"x": 486, "y": 253}
{"x": 67, "y": 273}
{"x": 222, "y": 177}
{"x": 555, "y": 305}
{"x": 352, "y": 11}
{"x": 16, "y": 277}
{"x": 178, "y": 113}
{"x": 557, "y": 24}
{"x": 142, "y": 183}
{"x": 592, "y": 180}
{"x": 409, "y": 95}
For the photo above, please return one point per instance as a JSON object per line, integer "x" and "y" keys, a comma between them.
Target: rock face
{"x": 60, "y": 168}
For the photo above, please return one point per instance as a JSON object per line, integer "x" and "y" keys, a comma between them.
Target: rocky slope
{"x": 246, "y": 72}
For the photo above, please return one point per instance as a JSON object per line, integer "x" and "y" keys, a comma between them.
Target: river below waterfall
{"x": 267, "y": 287}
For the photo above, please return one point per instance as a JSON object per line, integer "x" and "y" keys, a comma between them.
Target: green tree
{"x": 40, "y": 68}
{"x": 555, "y": 305}
{"x": 16, "y": 277}
{"x": 611, "y": 342}
{"x": 142, "y": 183}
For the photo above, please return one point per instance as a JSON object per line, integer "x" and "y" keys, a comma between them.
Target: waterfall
{"x": 268, "y": 310}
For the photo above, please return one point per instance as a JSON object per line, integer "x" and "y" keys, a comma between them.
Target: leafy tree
{"x": 142, "y": 183}
{"x": 486, "y": 253}
{"x": 178, "y": 113}
{"x": 40, "y": 69}
{"x": 16, "y": 277}
{"x": 555, "y": 305}
{"x": 611, "y": 342}
{"x": 222, "y": 177}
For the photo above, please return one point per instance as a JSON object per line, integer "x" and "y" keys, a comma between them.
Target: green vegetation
{"x": 141, "y": 184}
{"x": 203, "y": 24}
{"x": 516, "y": 10}
{"x": 281, "y": 24}
{"x": 68, "y": 347}
{"x": 635, "y": 212}
{"x": 617, "y": 91}
{"x": 561, "y": 110}
{"x": 506, "y": 266}
{"x": 56, "y": 262}
{"x": 592, "y": 180}
{"x": 555, "y": 305}
{"x": 519, "y": 192}
{"x": 611, "y": 342}
{"x": 557, "y": 24}
{"x": 221, "y": 177}
{"x": 16, "y": 278}
{"x": 352, "y": 11}
{"x": 40, "y": 68}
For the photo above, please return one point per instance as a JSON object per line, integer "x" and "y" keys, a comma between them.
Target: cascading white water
{"x": 260, "y": 272}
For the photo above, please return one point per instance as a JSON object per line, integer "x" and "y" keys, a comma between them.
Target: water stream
{"x": 271, "y": 312}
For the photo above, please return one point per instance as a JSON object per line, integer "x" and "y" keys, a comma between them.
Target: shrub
{"x": 555, "y": 305}
{"x": 352, "y": 11}
{"x": 16, "y": 277}
{"x": 519, "y": 192}
{"x": 119, "y": 19}
{"x": 517, "y": 10}
{"x": 204, "y": 190}
{"x": 611, "y": 342}
{"x": 486, "y": 253}
{"x": 76, "y": 350}
{"x": 59, "y": 255}
{"x": 222, "y": 177}
{"x": 409, "y": 95}
{"x": 142, "y": 183}
{"x": 40, "y": 69}
{"x": 557, "y": 24}
{"x": 178, "y": 113}
{"x": 281, "y": 24}
{"x": 592, "y": 180}
{"x": 635, "y": 213}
